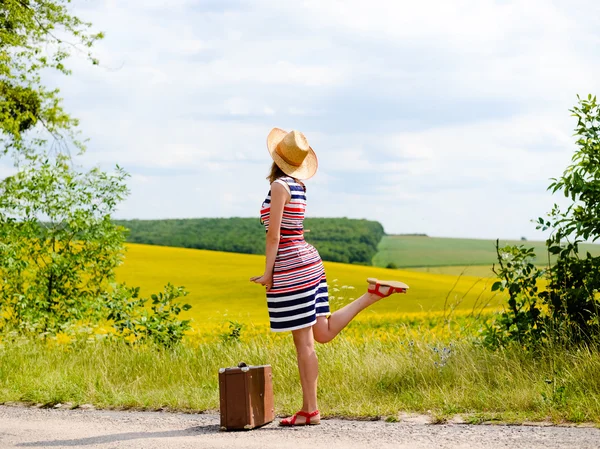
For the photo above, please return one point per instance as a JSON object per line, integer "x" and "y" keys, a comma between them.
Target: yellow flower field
{"x": 220, "y": 289}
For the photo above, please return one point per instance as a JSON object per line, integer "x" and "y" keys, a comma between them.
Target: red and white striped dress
{"x": 299, "y": 292}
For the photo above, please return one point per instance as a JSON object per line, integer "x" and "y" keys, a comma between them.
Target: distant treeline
{"x": 337, "y": 239}
{"x": 410, "y": 235}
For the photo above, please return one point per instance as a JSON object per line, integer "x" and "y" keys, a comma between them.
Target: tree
{"x": 59, "y": 248}
{"x": 36, "y": 36}
{"x": 58, "y": 245}
{"x": 580, "y": 182}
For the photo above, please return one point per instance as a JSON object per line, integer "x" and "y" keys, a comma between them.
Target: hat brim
{"x": 309, "y": 165}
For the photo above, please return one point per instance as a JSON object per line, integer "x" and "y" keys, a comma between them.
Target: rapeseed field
{"x": 409, "y": 353}
{"x": 220, "y": 289}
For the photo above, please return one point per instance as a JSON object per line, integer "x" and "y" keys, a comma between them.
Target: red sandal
{"x": 395, "y": 287}
{"x": 292, "y": 421}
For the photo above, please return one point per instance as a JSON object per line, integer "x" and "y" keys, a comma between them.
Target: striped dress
{"x": 299, "y": 291}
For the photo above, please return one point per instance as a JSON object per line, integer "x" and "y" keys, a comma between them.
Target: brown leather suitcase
{"x": 246, "y": 397}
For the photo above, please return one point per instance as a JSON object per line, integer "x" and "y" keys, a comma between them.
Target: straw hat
{"x": 292, "y": 154}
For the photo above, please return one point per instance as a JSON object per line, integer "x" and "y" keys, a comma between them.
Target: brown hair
{"x": 275, "y": 173}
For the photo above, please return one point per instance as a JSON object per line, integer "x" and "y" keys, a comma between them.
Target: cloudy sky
{"x": 440, "y": 117}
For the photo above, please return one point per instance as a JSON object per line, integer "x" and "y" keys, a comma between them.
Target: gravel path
{"x": 22, "y": 427}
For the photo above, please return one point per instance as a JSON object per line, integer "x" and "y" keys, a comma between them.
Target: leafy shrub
{"x": 522, "y": 320}
{"x": 132, "y": 319}
{"x": 571, "y": 298}
{"x": 234, "y": 334}
{"x": 58, "y": 252}
{"x": 574, "y": 281}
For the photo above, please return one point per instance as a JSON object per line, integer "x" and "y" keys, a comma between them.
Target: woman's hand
{"x": 265, "y": 279}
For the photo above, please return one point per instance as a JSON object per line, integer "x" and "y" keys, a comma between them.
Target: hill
{"x": 337, "y": 239}
{"x": 412, "y": 251}
{"x": 220, "y": 287}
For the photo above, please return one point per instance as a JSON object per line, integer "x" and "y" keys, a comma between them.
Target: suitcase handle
{"x": 242, "y": 365}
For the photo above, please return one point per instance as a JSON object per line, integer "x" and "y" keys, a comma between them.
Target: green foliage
{"x": 240, "y": 235}
{"x": 19, "y": 108}
{"x": 160, "y": 324}
{"x": 345, "y": 240}
{"x": 53, "y": 270}
{"x": 522, "y": 321}
{"x": 574, "y": 282}
{"x": 234, "y": 333}
{"x": 37, "y": 36}
{"x": 58, "y": 254}
{"x": 58, "y": 245}
{"x": 337, "y": 239}
{"x": 580, "y": 182}
{"x": 571, "y": 296}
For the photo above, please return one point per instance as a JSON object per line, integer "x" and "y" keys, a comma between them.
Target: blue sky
{"x": 446, "y": 118}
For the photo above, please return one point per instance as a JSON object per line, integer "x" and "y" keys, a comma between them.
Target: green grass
{"x": 416, "y": 251}
{"x": 402, "y": 355}
{"x": 366, "y": 377}
{"x": 480, "y": 271}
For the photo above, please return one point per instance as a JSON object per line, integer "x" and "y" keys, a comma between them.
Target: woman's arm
{"x": 279, "y": 197}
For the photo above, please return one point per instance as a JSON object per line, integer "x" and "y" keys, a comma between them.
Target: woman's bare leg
{"x": 327, "y": 328}
{"x": 308, "y": 366}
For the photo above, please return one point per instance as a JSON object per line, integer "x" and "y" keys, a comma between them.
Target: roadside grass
{"x": 364, "y": 373}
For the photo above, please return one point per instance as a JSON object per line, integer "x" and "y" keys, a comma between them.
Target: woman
{"x": 294, "y": 276}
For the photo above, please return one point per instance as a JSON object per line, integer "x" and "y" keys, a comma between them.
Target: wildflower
{"x": 63, "y": 339}
{"x": 101, "y": 330}
{"x": 7, "y": 313}
{"x": 131, "y": 338}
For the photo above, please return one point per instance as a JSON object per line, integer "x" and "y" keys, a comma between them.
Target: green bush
{"x": 234, "y": 334}
{"x": 522, "y": 321}
{"x": 160, "y": 325}
{"x": 58, "y": 253}
{"x": 571, "y": 299}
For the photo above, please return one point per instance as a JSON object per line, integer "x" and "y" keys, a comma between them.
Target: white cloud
{"x": 463, "y": 24}
{"x": 189, "y": 47}
{"x": 431, "y": 116}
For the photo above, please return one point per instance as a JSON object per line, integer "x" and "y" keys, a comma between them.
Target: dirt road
{"x": 39, "y": 428}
